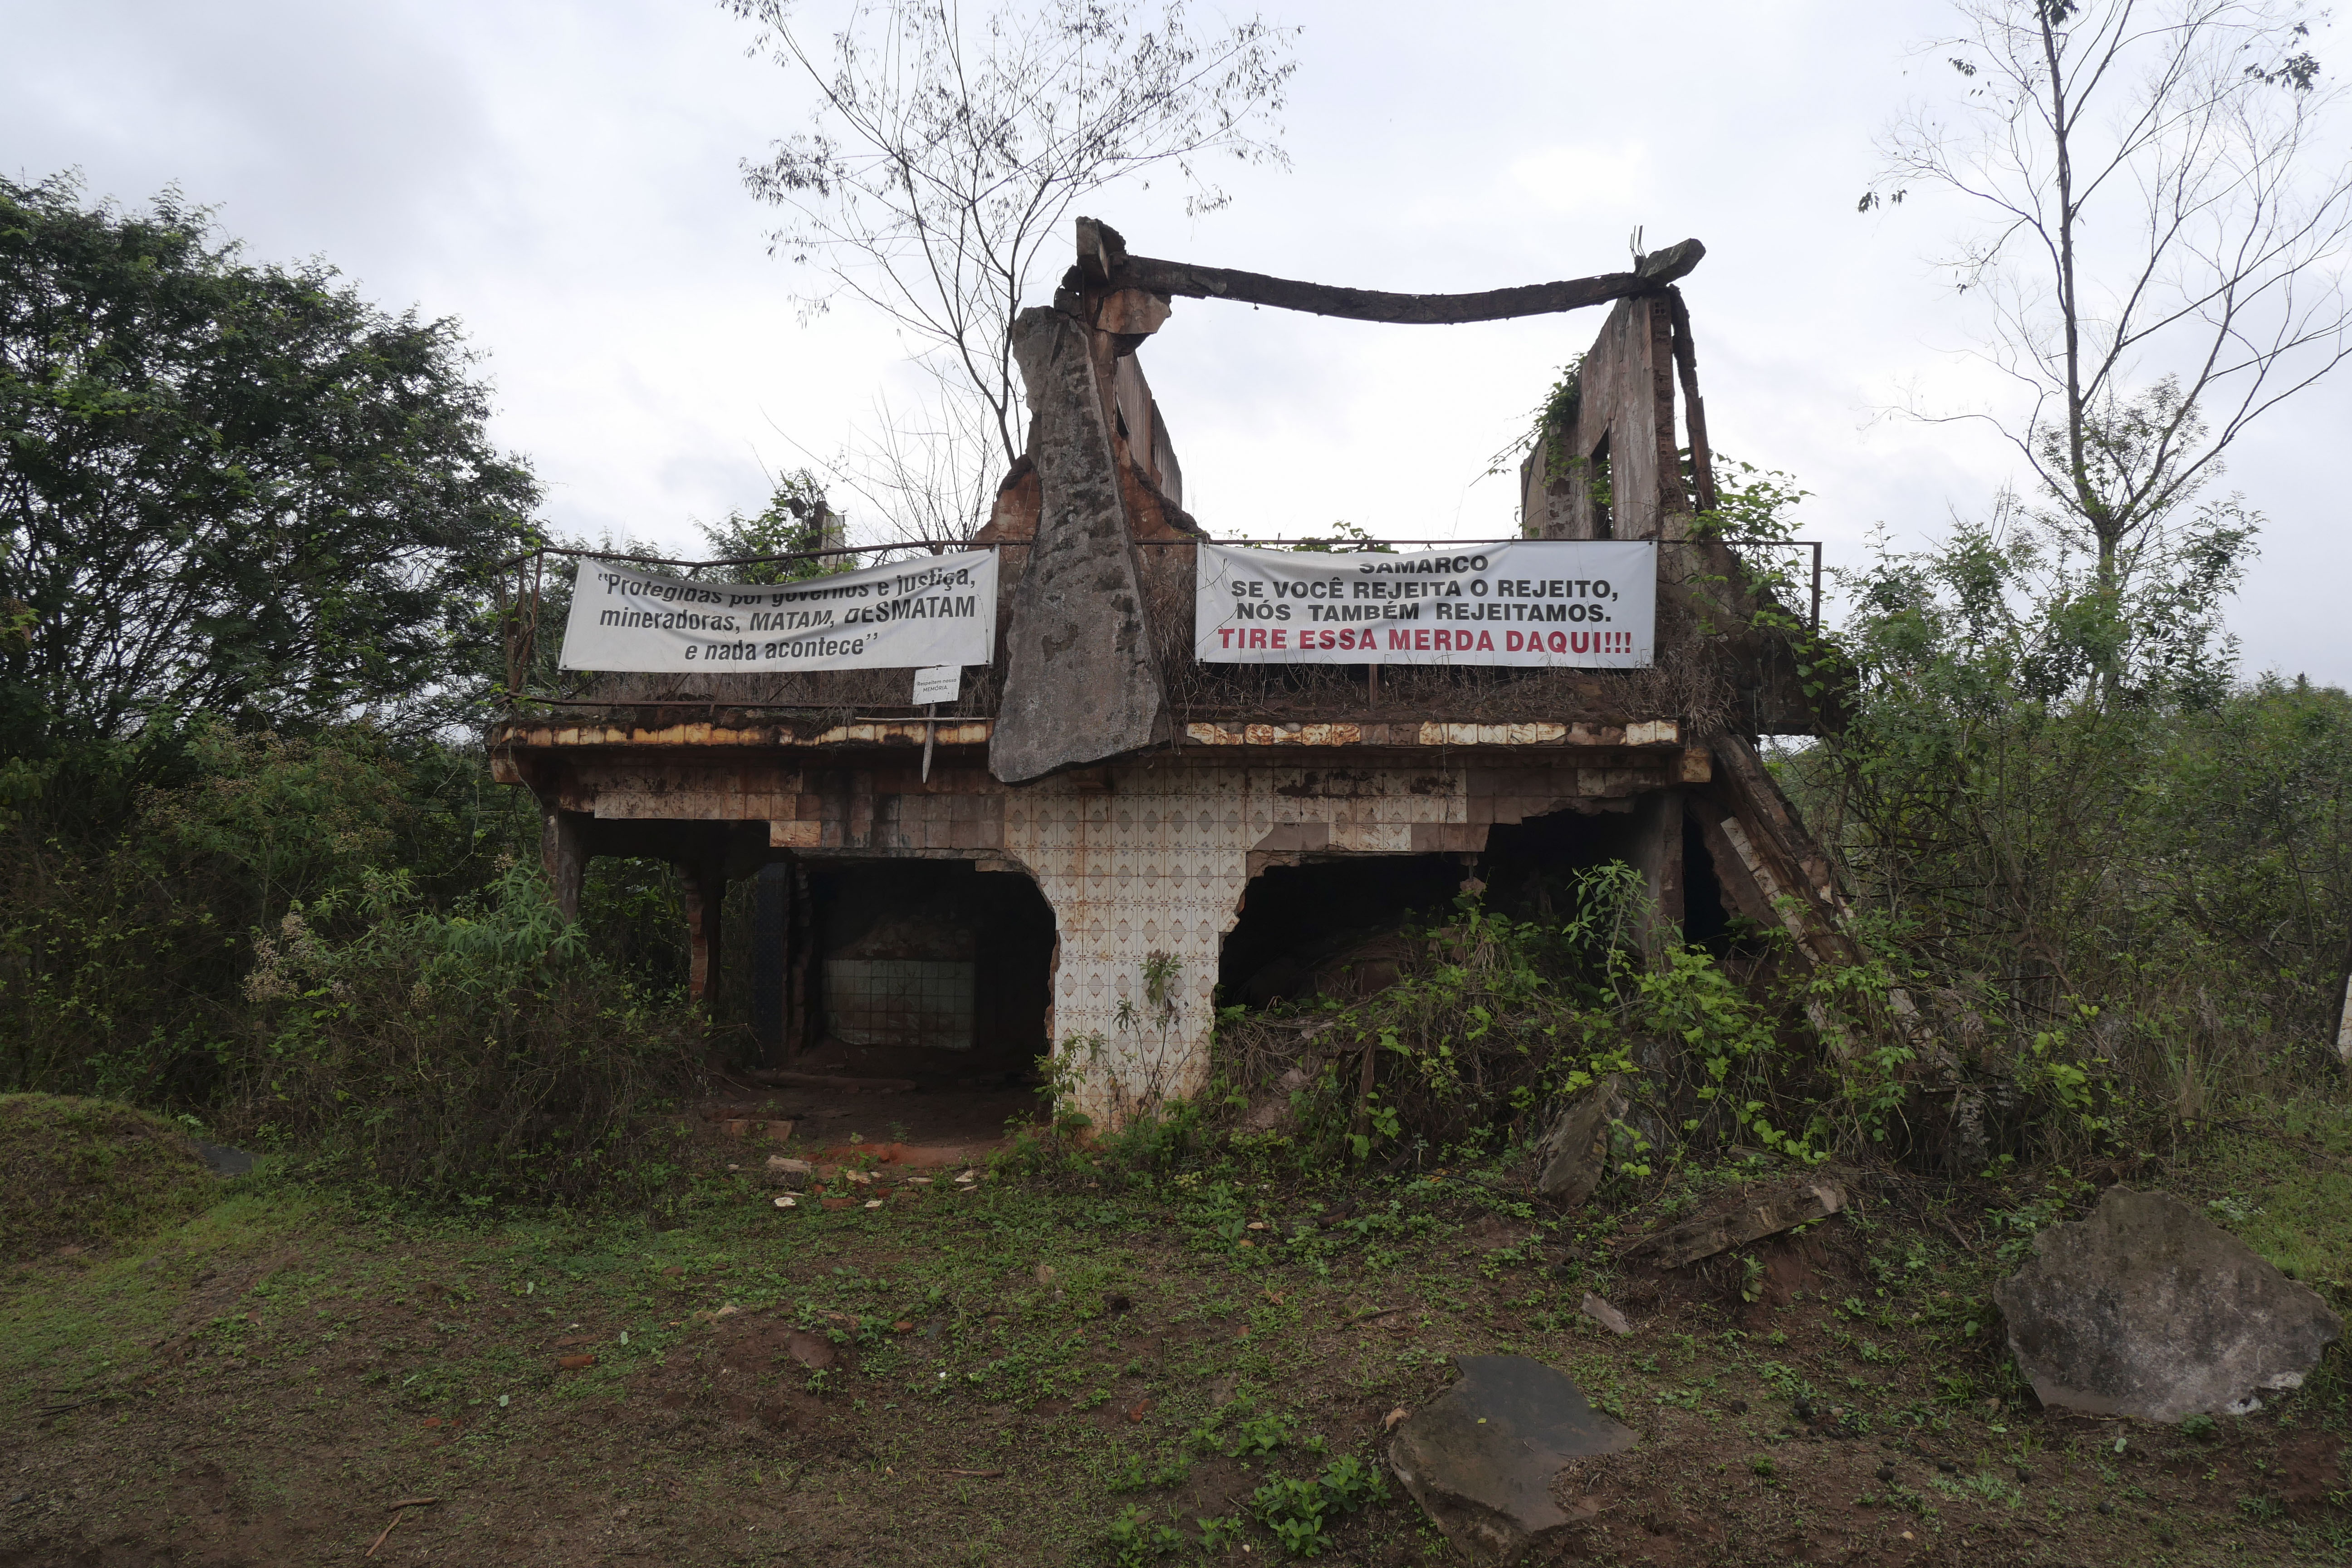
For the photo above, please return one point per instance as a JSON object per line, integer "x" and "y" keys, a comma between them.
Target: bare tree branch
{"x": 948, "y": 150}
{"x": 2161, "y": 260}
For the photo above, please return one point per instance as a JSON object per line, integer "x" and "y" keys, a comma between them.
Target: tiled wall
{"x": 1138, "y": 858}
{"x": 1159, "y": 863}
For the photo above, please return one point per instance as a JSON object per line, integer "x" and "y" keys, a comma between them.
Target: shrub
{"x": 487, "y": 1054}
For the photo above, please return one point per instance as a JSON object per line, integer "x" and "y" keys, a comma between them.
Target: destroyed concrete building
{"x": 1101, "y": 827}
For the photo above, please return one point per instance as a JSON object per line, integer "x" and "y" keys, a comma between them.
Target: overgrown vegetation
{"x": 338, "y": 943}
{"x": 1501, "y": 1016}
{"x": 83, "y": 1171}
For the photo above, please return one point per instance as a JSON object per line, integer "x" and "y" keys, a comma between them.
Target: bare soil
{"x": 997, "y": 1371}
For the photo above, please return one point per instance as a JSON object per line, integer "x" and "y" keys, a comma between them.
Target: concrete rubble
{"x": 1575, "y": 1154}
{"x": 2148, "y": 1309}
{"x": 1758, "y": 1211}
{"x": 1481, "y": 1458}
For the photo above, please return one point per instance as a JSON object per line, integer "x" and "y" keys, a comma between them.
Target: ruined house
{"x": 1100, "y": 828}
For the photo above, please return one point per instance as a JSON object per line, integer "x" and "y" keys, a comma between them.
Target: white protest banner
{"x": 1538, "y": 604}
{"x": 930, "y": 611}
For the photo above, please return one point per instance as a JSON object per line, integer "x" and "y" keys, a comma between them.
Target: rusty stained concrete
{"x": 517, "y": 736}
{"x": 1137, "y": 859}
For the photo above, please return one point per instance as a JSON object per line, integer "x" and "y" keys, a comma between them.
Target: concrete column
{"x": 563, "y": 851}
{"x": 1657, "y": 854}
{"x": 705, "y": 897}
{"x": 772, "y": 956}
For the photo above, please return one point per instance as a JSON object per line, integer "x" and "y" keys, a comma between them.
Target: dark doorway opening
{"x": 1531, "y": 867}
{"x": 1707, "y": 923}
{"x": 1332, "y": 928}
{"x": 930, "y": 970}
{"x": 1313, "y": 930}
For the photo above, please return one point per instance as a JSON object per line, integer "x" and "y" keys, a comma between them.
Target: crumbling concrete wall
{"x": 1624, "y": 410}
{"x": 1082, "y": 683}
{"x": 1144, "y": 857}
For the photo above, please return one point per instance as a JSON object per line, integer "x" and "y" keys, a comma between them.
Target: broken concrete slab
{"x": 1081, "y": 685}
{"x": 1601, "y": 1312}
{"x": 1575, "y": 1154}
{"x": 2149, "y": 1309}
{"x": 1758, "y": 1211}
{"x": 1481, "y": 1457}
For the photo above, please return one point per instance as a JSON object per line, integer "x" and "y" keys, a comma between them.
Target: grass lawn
{"x": 1097, "y": 1368}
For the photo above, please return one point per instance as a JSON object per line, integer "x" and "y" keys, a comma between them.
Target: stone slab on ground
{"x": 2149, "y": 1309}
{"x": 221, "y": 1161}
{"x": 1481, "y": 1457}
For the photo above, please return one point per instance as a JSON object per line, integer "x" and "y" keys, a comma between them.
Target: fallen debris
{"x": 1756, "y": 1214}
{"x": 1603, "y": 1313}
{"x": 1576, "y": 1152}
{"x": 2149, "y": 1309}
{"x": 1481, "y": 1457}
{"x": 400, "y": 1511}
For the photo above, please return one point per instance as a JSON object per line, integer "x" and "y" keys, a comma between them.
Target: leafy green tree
{"x": 797, "y": 517}
{"x": 229, "y": 489}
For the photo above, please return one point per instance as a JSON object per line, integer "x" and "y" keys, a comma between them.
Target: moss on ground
{"x": 79, "y": 1172}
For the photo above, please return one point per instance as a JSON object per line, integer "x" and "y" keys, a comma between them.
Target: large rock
{"x": 1481, "y": 1457}
{"x": 2149, "y": 1309}
{"x": 1080, "y": 682}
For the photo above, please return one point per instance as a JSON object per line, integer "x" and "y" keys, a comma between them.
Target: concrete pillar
{"x": 1657, "y": 855}
{"x": 563, "y": 852}
{"x": 706, "y": 898}
{"x": 771, "y": 955}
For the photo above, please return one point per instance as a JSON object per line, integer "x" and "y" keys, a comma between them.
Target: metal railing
{"x": 519, "y": 613}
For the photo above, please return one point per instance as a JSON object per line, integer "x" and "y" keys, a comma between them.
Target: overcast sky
{"x": 564, "y": 178}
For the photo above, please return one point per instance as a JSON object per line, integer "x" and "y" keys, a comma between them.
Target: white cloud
{"x": 1584, "y": 178}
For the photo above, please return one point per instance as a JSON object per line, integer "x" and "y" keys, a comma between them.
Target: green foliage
{"x": 1347, "y": 539}
{"x": 1260, "y": 1434}
{"x": 229, "y": 489}
{"x": 796, "y": 519}
{"x": 87, "y": 1171}
{"x": 484, "y": 1055}
{"x": 331, "y": 943}
{"x": 1135, "y": 1539}
{"x": 2119, "y": 882}
{"x": 1501, "y": 1015}
{"x": 1296, "y": 1510}
{"x": 132, "y": 885}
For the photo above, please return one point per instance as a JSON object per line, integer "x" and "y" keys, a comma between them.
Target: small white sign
{"x": 940, "y": 683}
